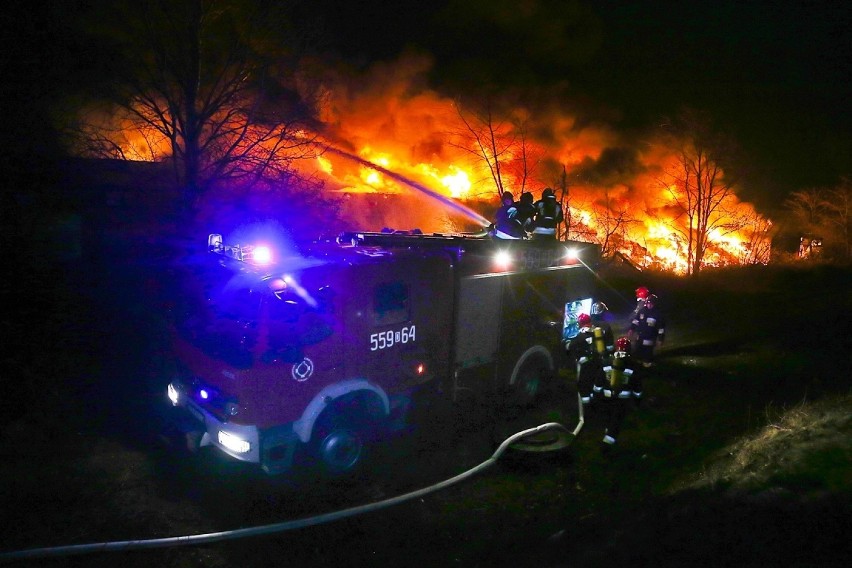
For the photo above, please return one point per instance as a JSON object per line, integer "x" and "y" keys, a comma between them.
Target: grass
{"x": 804, "y": 450}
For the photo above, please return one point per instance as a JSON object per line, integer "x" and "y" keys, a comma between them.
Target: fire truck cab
{"x": 314, "y": 355}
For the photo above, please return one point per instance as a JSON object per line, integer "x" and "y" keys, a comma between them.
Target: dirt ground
{"x": 82, "y": 460}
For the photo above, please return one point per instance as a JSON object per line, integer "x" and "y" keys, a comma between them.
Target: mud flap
{"x": 279, "y": 447}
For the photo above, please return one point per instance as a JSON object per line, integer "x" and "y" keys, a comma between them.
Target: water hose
{"x": 206, "y": 538}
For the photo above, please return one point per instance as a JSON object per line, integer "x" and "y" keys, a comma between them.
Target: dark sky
{"x": 775, "y": 74}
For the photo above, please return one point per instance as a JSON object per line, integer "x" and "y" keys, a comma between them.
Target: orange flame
{"x": 392, "y": 121}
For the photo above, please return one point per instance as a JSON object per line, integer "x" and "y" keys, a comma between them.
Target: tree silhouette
{"x": 211, "y": 85}
{"x": 702, "y": 192}
{"x": 498, "y": 142}
{"x": 825, "y": 212}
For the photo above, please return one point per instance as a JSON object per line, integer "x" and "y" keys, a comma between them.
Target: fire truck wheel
{"x": 342, "y": 439}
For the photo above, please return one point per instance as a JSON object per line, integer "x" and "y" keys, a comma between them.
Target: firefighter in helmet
{"x": 548, "y": 215}
{"x": 506, "y": 222}
{"x": 642, "y": 294}
{"x": 649, "y": 328}
{"x": 618, "y": 388}
{"x": 604, "y": 339}
{"x": 526, "y": 211}
{"x": 581, "y": 349}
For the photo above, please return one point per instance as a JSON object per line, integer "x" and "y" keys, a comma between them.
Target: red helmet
{"x": 622, "y": 344}
{"x": 642, "y": 292}
{"x": 584, "y": 320}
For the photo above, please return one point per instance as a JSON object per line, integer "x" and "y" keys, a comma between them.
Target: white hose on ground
{"x": 126, "y": 545}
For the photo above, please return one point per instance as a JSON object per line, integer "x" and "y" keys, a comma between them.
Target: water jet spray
{"x": 443, "y": 199}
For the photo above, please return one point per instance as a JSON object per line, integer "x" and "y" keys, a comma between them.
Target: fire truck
{"x": 284, "y": 359}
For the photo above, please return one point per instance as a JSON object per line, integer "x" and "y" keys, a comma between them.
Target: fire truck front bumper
{"x": 273, "y": 448}
{"x": 201, "y": 428}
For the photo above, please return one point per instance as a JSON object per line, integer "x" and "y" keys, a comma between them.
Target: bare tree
{"x": 825, "y": 212}
{"x": 757, "y": 245}
{"x": 838, "y": 205}
{"x": 498, "y": 140}
{"x": 807, "y": 208}
{"x": 700, "y": 189}
{"x": 612, "y": 222}
{"x": 207, "y": 85}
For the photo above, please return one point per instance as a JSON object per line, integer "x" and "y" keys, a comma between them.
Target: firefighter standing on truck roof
{"x": 649, "y": 327}
{"x": 506, "y": 222}
{"x": 581, "y": 348}
{"x": 548, "y": 215}
{"x": 616, "y": 390}
{"x": 526, "y": 211}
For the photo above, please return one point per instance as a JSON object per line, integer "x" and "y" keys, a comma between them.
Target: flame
{"x": 390, "y": 120}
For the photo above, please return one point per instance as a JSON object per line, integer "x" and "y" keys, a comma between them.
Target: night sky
{"x": 775, "y": 74}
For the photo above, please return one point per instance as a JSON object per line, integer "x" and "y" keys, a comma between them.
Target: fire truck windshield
{"x": 243, "y": 322}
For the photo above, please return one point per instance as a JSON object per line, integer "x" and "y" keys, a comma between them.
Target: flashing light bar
{"x": 262, "y": 255}
{"x": 256, "y": 254}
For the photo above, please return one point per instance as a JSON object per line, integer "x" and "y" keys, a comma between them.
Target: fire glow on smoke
{"x": 615, "y": 192}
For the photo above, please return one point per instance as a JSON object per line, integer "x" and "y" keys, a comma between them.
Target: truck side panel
{"x": 478, "y": 320}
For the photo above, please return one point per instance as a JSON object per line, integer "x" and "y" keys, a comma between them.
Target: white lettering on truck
{"x": 389, "y": 338}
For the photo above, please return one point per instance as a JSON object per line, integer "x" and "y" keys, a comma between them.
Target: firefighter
{"x": 526, "y": 211}
{"x": 642, "y": 294}
{"x": 581, "y": 349}
{"x": 649, "y": 327}
{"x": 604, "y": 339}
{"x": 506, "y": 223}
{"x": 618, "y": 388}
{"x": 548, "y": 215}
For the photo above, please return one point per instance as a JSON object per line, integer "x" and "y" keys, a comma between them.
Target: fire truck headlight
{"x": 174, "y": 394}
{"x": 503, "y": 259}
{"x": 234, "y": 443}
{"x": 572, "y": 254}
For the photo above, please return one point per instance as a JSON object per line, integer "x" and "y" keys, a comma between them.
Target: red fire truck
{"x": 313, "y": 355}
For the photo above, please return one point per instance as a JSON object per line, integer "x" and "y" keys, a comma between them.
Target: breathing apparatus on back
{"x": 600, "y": 345}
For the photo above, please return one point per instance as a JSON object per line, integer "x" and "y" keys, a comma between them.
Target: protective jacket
{"x": 506, "y": 223}
{"x": 526, "y": 212}
{"x": 640, "y": 303}
{"x": 619, "y": 380}
{"x": 616, "y": 389}
{"x": 548, "y": 215}
{"x": 589, "y": 364}
{"x": 649, "y": 327}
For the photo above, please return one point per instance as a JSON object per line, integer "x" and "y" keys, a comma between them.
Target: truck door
{"x": 398, "y": 321}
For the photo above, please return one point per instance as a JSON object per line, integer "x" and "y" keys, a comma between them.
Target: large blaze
{"x": 390, "y": 139}
{"x": 616, "y": 190}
